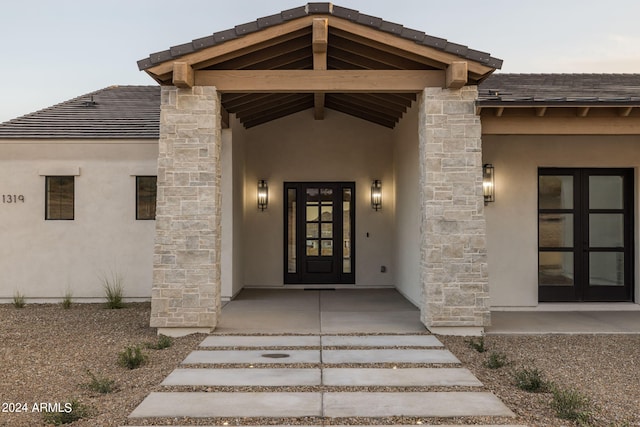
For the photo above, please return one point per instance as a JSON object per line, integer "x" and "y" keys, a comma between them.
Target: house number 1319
{"x": 12, "y": 198}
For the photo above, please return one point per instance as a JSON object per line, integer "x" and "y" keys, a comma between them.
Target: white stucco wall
{"x": 512, "y": 225}
{"x": 407, "y": 208}
{"x": 299, "y": 148}
{"x": 43, "y": 259}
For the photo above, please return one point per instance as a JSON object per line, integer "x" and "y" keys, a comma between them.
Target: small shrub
{"x": 530, "y": 379}
{"x": 497, "y": 360}
{"x": 132, "y": 357}
{"x": 477, "y": 344}
{"x": 571, "y": 405}
{"x": 100, "y": 384}
{"x": 18, "y": 300}
{"x": 78, "y": 411}
{"x": 66, "y": 300}
{"x": 113, "y": 285}
{"x": 162, "y": 343}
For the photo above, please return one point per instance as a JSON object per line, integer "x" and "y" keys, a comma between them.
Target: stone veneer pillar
{"x": 453, "y": 232}
{"x": 186, "y": 265}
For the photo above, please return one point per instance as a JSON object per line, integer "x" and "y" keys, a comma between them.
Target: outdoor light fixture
{"x": 488, "y": 183}
{"x": 263, "y": 194}
{"x": 376, "y": 195}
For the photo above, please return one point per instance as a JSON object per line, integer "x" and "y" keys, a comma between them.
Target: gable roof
{"x": 116, "y": 112}
{"x": 326, "y": 42}
{"x": 352, "y": 15}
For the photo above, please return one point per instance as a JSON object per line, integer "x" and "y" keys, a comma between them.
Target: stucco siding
{"x": 512, "y": 223}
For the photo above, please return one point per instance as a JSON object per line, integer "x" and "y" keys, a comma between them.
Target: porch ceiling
{"x": 340, "y": 49}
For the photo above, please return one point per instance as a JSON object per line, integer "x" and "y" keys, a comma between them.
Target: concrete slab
{"x": 243, "y": 377}
{"x": 380, "y": 341}
{"x": 371, "y": 322}
{"x": 251, "y": 321}
{"x": 261, "y": 341}
{"x": 407, "y": 377}
{"x": 350, "y": 300}
{"x": 428, "y": 404}
{"x": 252, "y": 356}
{"x": 388, "y": 356}
{"x": 573, "y": 322}
{"x": 204, "y": 405}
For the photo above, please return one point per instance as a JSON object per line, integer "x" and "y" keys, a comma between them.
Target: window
{"x": 59, "y": 201}
{"x": 146, "y": 197}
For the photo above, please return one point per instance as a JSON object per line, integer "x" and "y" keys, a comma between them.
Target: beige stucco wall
{"x": 43, "y": 259}
{"x": 407, "y": 207}
{"x": 512, "y": 219}
{"x": 299, "y": 148}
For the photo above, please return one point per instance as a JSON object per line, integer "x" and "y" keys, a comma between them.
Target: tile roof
{"x": 115, "y": 112}
{"x": 119, "y": 112}
{"x": 551, "y": 89}
{"x": 323, "y": 9}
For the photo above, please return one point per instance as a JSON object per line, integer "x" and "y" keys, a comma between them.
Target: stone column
{"x": 186, "y": 266}
{"x": 453, "y": 232}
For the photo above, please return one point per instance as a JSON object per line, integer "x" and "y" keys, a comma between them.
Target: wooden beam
{"x": 624, "y": 111}
{"x": 320, "y": 40}
{"x": 583, "y": 111}
{"x": 183, "y": 75}
{"x": 384, "y": 81}
{"x": 499, "y": 111}
{"x": 541, "y": 111}
{"x": 456, "y": 75}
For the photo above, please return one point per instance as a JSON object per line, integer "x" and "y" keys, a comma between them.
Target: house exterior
{"x": 322, "y": 147}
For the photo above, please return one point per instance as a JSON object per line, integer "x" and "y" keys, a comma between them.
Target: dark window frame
{"x": 53, "y": 197}
{"x": 140, "y": 216}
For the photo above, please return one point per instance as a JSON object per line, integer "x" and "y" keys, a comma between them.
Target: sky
{"x": 55, "y": 50}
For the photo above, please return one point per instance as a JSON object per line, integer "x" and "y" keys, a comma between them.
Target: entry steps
{"x": 320, "y": 379}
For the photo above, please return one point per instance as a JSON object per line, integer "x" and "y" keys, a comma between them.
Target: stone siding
{"x": 186, "y": 264}
{"x": 453, "y": 250}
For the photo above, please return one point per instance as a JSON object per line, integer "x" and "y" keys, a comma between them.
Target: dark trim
{"x": 48, "y": 216}
{"x": 138, "y": 216}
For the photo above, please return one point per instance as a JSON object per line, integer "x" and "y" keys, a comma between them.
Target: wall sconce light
{"x": 376, "y": 195}
{"x": 488, "y": 183}
{"x": 263, "y": 195}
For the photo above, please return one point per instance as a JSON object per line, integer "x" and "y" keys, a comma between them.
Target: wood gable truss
{"x": 318, "y": 61}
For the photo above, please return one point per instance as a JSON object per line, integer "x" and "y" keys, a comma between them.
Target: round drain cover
{"x": 276, "y": 355}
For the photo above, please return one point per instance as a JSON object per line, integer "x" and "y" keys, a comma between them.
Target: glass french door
{"x": 585, "y": 234}
{"x": 319, "y": 233}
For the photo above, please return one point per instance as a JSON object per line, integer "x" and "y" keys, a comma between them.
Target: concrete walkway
{"x": 322, "y": 378}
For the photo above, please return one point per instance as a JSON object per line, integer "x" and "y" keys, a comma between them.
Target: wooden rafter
{"x": 389, "y": 81}
{"x": 319, "y": 43}
{"x": 541, "y": 111}
{"x": 583, "y": 111}
{"x": 624, "y": 111}
{"x": 260, "y": 59}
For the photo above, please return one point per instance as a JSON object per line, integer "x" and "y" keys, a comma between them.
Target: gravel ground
{"x": 46, "y": 352}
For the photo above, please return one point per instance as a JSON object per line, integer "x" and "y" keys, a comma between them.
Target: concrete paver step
{"x": 261, "y": 341}
{"x": 380, "y": 341}
{"x": 414, "y": 404}
{"x": 388, "y": 356}
{"x": 404, "y": 377}
{"x": 243, "y": 377}
{"x": 252, "y": 356}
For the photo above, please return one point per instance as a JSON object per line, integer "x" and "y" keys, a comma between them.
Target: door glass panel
{"x": 555, "y": 268}
{"x": 606, "y": 269}
{"x": 555, "y": 230}
{"x": 312, "y": 230}
{"x": 291, "y": 230}
{"x": 346, "y": 230}
{"x": 327, "y": 213}
{"x": 555, "y": 192}
{"x": 327, "y": 230}
{"x": 312, "y": 248}
{"x": 606, "y": 230}
{"x": 605, "y": 192}
{"x": 312, "y": 211}
{"x": 327, "y": 247}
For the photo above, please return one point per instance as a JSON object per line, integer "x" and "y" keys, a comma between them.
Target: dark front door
{"x": 319, "y": 232}
{"x": 585, "y": 234}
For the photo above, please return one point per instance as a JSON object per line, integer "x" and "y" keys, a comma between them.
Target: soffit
{"x": 284, "y": 41}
